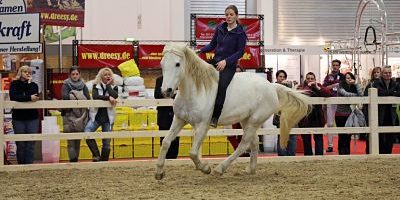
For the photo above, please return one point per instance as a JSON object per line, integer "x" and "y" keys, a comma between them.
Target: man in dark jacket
{"x": 386, "y": 112}
{"x": 165, "y": 115}
{"x": 316, "y": 117}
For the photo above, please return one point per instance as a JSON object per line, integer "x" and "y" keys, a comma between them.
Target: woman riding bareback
{"x": 228, "y": 43}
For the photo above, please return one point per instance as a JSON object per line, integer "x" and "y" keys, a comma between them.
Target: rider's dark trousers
{"x": 225, "y": 77}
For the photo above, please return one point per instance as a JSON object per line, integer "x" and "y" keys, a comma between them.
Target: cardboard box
{"x": 138, "y": 119}
{"x": 151, "y": 118}
{"x": 218, "y": 148}
{"x": 184, "y": 148}
{"x": 142, "y": 150}
{"x": 64, "y": 153}
{"x": 123, "y": 148}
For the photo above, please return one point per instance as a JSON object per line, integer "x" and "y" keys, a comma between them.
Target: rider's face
{"x": 280, "y": 78}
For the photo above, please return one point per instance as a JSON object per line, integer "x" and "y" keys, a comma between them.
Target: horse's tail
{"x": 294, "y": 106}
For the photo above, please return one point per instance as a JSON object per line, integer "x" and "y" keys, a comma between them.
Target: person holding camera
{"x": 316, "y": 117}
{"x": 25, "y": 121}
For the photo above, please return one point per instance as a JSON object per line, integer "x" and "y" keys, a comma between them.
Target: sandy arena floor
{"x": 363, "y": 178}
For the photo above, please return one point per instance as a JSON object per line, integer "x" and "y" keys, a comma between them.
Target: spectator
{"x": 165, "y": 115}
{"x": 347, "y": 88}
{"x": 316, "y": 117}
{"x": 290, "y": 150}
{"x": 103, "y": 89}
{"x": 75, "y": 119}
{"x": 386, "y": 112}
{"x": 331, "y": 82}
{"x": 25, "y": 121}
{"x": 375, "y": 76}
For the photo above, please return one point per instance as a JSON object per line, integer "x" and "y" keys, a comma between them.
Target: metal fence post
{"x": 373, "y": 121}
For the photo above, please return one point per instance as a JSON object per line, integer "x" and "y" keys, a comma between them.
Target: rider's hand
{"x": 221, "y": 65}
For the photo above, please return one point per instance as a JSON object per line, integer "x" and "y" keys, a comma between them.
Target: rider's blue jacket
{"x": 228, "y": 45}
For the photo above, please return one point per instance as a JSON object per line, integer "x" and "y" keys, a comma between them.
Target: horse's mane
{"x": 202, "y": 73}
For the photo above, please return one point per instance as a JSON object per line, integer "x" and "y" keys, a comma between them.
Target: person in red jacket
{"x": 331, "y": 82}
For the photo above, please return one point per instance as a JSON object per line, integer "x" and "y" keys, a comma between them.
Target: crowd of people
{"x": 26, "y": 121}
{"x": 337, "y": 84}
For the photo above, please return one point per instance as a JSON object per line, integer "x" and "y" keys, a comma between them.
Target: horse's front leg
{"x": 176, "y": 127}
{"x": 200, "y": 134}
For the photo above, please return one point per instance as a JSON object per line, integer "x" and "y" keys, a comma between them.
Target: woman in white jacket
{"x": 103, "y": 89}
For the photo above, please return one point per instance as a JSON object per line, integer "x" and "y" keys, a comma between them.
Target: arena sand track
{"x": 363, "y": 178}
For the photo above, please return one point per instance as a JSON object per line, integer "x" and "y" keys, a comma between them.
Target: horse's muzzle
{"x": 169, "y": 93}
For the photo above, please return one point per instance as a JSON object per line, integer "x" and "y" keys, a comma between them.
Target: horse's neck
{"x": 187, "y": 88}
{"x": 190, "y": 93}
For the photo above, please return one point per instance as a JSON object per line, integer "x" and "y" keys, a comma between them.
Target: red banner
{"x": 59, "y": 13}
{"x": 205, "y": 27}
{"x": 249, "y": 60}
{"x": 57, "y": 81}
{"x": 150, "y": 55}
{"x": 252, "y": 28}
{"x": 96, "y": 55}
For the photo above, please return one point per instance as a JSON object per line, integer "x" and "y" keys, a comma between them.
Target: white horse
{"x": 250, "y": 100}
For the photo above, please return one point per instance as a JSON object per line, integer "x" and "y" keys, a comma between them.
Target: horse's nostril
{"x": 169, "y": 90}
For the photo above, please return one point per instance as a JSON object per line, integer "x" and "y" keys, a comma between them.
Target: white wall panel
{"x": 215, "y": 6}
{"x": 116, "y": 20}
{"x": 309, "y": 22}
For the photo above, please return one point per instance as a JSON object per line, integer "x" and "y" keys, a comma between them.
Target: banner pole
{"x": 60, "y": 63}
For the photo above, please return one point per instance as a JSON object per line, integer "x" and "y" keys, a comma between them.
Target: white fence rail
{"x": 372, "y": 100}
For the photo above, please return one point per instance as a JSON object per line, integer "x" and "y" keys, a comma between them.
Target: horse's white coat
{"x": 250, "y": 100}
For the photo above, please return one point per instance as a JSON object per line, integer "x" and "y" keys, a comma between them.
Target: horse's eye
{"x": 177, "y": 65}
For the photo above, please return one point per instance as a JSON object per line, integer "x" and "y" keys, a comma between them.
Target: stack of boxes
{"x": 142, "y": 119}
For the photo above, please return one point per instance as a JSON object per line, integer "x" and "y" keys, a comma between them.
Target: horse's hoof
{"x": 217, "y": 173}
{"x": 160, "y": 176}
{"x": 206, "y": 169}
{"x": 250, "y": 171}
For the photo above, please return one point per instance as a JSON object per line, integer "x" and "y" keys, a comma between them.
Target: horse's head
{"x": 172, "y": 65}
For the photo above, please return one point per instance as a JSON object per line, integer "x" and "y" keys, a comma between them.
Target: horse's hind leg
{"x": 253, "y": 155}
{"x": 248, "y": 137}
{"x": 176, "y": 127}
{"x": 200, "y": 133}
